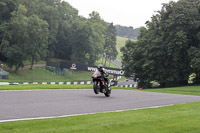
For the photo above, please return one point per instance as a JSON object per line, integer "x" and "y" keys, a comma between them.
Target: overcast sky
{"x": 124, "y": 12}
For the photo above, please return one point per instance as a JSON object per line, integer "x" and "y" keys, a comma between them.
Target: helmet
{"x": 100, "y": 67}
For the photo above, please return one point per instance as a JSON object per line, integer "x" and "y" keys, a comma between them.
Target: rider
{"x": 103, "y": 73}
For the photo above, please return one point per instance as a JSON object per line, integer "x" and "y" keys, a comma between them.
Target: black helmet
{"x": 100, "y": 67}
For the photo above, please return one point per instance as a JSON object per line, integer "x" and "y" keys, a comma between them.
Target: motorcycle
{"x": 101, "y": 84}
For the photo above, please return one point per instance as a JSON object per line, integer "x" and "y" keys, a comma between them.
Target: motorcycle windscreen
{"x": 97, "y": 73}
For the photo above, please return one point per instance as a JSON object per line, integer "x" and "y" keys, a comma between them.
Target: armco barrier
{"x": 59, "y": 83}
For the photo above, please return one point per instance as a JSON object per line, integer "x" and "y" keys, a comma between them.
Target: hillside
{"x": 127, "y": 32}
{"x": 121, "y": 41}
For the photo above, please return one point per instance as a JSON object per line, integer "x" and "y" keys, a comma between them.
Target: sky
{"x": 123, "y": 12}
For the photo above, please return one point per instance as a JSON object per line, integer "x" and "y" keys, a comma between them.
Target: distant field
{"x": 121, "y": 41}
{"x": 108, "y": 64}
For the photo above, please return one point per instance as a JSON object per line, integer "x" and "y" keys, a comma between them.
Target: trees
{"x": 14, "y": 44}
{"x": 104, "y": 37}
{"x": 27, "y": 39}
{"x": 37, "y": 39}
{"x": 80, "y": 39}
{"x": 165, "y": 49}
{"x": 6, "y": 7}
{"x": 98, "y": 38}
{"x": 128, "y": 32}
{"x": 31, "y": 30}
{"x": 110, "y": 51}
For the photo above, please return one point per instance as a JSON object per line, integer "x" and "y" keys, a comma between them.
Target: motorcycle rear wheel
{"x": 108, "y": 92}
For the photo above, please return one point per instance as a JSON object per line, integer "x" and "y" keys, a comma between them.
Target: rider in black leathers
{"x": 103, "y": 73}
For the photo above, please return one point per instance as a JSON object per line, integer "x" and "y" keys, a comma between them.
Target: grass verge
{"x": 39, "y": 86}
{"x": 182, "y": 118}
{"x": 186, "y": 90}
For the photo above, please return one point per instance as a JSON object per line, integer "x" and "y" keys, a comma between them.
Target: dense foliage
{"x": 168, "y": 50}
{"x": 110, "y": 50}
{"x": 39, "y": 29}
{"x": 127, "y": 32}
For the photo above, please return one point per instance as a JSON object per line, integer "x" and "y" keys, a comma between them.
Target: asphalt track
{"x": 37, "y": 104}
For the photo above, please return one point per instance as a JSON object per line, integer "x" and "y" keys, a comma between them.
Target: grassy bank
{"x": 108, "y": 63}
{"x": 186, "y": 90}
{"x": 40, "y": 74}
{"x": 182, "y": 118}
{"x": 38, "y": 86}
{"x": 121, "y": 41}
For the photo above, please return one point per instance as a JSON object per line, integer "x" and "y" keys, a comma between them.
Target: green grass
{"x": 39, "y": 74}
{"x": 39, "y": 86}
{"x": 108, "y": 64}
{"x": 186, "y": 90}
{"x": 122, "y": 79}
{"x": 50, "y": 86}
{"x": 121, "y": 41}
{"x": 184, "y": 118}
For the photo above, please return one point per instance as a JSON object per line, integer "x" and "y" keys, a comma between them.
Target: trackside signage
{"x": 108, "y": 70}
{"x": 83, "y": 67}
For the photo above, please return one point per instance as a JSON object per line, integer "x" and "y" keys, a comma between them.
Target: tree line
{"x": 127, "y": 32}
{"x": 39, "y": 29}
{"x": 168, "y": 49}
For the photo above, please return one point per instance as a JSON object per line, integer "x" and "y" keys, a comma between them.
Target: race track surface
{"x": 19, "y": 105}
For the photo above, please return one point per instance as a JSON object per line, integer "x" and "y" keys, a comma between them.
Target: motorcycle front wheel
{"x": 96, "y": 87}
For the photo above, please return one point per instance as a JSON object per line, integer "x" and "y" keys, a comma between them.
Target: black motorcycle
{"x": 101, "y": 84}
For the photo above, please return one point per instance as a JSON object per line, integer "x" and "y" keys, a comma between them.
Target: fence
{"x": 3, "y": 74}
